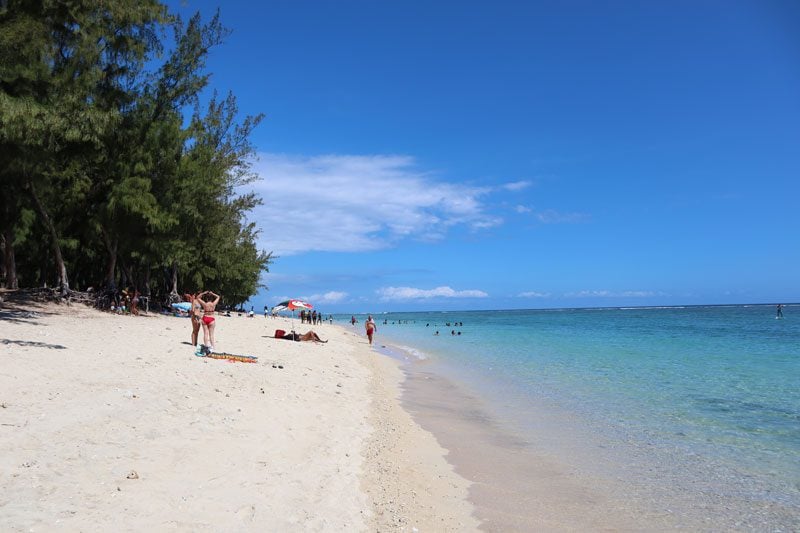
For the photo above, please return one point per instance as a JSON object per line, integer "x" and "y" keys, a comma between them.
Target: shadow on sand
{"x": 21, "y": 307}
{"x": 37, "y": 344}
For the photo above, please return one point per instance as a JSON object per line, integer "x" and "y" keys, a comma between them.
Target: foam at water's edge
{"x": 413, "y": 352}
{"x": 401, "y": 352}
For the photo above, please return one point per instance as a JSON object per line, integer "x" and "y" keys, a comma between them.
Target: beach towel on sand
{"x": 233, "y": 357}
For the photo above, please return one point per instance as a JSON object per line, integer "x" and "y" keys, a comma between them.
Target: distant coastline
{"x": 345, "y": 316}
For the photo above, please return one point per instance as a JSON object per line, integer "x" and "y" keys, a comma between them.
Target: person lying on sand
{"x": 310, "y": 336}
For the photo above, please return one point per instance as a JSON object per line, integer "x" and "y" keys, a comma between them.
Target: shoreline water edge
{"x": 541, "y": 462}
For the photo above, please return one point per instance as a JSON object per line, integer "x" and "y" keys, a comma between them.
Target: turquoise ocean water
{"x": 717, "y": 384}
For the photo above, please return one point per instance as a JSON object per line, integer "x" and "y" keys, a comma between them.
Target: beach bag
{"x": 279, "y": 333}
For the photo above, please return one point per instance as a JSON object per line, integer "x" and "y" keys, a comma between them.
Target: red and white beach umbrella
{"x": 291, "y": 305}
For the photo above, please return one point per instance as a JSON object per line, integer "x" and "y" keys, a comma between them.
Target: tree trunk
{"x": 10, "y": 260}
{"x": 63, "y": 280}
{"x": 111, "y": 261}
{"x": 174, "y": 291}
{"x": 146, "y": 290}
{"x": 9, "y": 266}
{"x": 146, "y": 282}
{"x": 3, "y": 251}
{"x": 128, "y": 273}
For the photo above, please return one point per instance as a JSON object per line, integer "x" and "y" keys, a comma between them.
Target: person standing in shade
{"x": 135, "y": 302}
{"x": 371, "y": 328}
{"x": 779, "y": 311}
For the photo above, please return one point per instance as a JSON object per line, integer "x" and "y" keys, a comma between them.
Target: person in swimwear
{"x": 208, "y": 318}
{"x": 135, "y": 302}
{"x": 195, "y": 314}
{"x": 370, "y": 327}
{"x": 310, "y": 336}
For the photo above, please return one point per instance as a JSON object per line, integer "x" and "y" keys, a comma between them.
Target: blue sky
{"x": 486, "y": 155}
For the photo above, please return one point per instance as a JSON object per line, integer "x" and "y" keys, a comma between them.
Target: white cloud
{"x": 534, "y": 294}
{"x": 330, "y": 297}
{"x": 638, "y": 294}
{"x": 517, "y": 185}
{"x": 588, "y": 294}
{"x": 522, "y": 209}
{"x": 612, "y": 294}
{"x": 411, "y": 293}
{"x": 346, "y": 203}
{"x": 551, "y": 216}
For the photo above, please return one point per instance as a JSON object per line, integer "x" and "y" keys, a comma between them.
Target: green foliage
{"x": 102, "y": 174}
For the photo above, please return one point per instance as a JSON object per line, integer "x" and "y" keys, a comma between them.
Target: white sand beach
{"x": 110, "y": 422}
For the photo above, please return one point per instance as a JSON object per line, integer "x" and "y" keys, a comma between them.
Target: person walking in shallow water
{"x": 779, "y": 311}
{"x": 371, "y": 328}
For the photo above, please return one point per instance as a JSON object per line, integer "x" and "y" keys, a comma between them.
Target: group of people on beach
{"x": 202, "y": 315}
{"x": 130, "y": 300}
{"x": 310, "y": 317}
{"x": 125, "y": 301}
{"x": 203, "y": 307}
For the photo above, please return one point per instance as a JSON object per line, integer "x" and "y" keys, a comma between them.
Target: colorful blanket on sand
{"x": 233, "y": 357}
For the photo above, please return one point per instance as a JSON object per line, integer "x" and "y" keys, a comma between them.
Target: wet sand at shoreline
{"x": 515, "y": 487}
{"x": 562, "y": 475}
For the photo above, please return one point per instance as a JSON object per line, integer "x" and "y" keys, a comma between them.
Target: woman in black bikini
{"x": 195, "y": 314}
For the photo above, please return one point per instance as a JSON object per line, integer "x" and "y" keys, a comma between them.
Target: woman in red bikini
{"x": 208, "y": 318}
